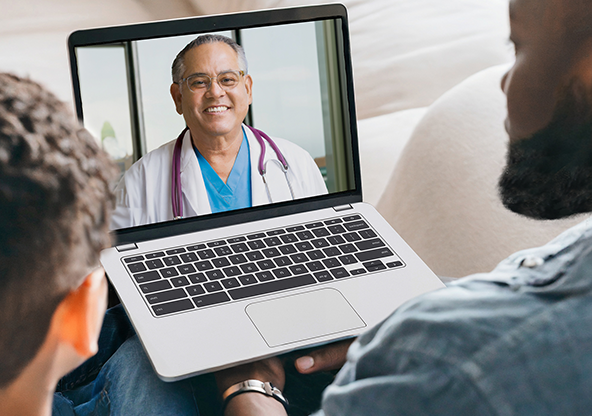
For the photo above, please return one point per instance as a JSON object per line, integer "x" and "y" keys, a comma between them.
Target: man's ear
{"x": 177, "y": 97}
{"x": 249, "y": 87}
{"x": 78, "y": 318}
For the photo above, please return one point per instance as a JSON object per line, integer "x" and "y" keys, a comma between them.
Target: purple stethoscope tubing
{"x": 176, "y": 195}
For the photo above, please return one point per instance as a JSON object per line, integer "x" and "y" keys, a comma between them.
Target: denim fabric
{"x": 515, "y": 341}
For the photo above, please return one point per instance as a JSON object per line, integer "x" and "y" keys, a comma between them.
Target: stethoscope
{"x": 176, "y": 195}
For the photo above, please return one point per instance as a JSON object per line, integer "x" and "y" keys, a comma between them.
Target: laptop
{"x": 207, "y": 292}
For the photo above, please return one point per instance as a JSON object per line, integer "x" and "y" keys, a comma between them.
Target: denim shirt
{"x": 516, "y": 341}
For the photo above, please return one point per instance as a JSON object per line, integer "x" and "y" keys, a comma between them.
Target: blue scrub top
{"x": 236, "y": 192}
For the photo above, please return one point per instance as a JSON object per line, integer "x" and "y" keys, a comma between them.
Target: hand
{"x": 270, "y": 369}
{"x": 329, "y": 357}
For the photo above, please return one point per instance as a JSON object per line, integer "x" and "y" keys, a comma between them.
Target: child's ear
{"x": 79, "y": 316}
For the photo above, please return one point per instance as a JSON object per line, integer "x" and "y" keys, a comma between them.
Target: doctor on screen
{"x": 217, "y": 163}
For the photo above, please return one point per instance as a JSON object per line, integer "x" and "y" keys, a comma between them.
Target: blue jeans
{"x": 119, "y": 380}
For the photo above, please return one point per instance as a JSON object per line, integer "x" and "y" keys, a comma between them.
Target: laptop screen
{"x": 296, "y": 75}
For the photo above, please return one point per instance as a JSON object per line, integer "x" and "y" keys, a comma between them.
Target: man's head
{"x": 549, "y": 95}
{"x": 54, "y": 209}
{"x": 211, "y": 87}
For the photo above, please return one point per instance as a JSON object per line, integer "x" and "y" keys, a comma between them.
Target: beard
{"x": 549, "y": 175}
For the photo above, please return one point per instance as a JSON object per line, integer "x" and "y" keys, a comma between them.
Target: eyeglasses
{"x": 227, "y": 80}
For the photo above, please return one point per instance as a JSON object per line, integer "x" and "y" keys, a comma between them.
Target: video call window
{"x": 296, "y": 93}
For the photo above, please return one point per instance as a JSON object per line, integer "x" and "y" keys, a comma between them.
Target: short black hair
{"x": 55, "y": 203}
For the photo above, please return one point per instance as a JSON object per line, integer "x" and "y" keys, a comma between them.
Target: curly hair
{"x": 55, "y": 203}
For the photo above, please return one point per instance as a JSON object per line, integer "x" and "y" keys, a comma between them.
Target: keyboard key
{"x": 323, "y": 276}
{"x": 367, "y": 234}
{"x": 248, "y": 279}
{"x": 256, "y": 236}
{"x": 169, "y": 272}
{"x": 351, "y": 218}
{"x": 368, "y": 244}
{"x": 333, "y": 221}
{"x": 298, "y": 269}
{"x": 314, "y": 266}
{"x": 154, "y": 264}
{"x": 294, "y": 229}
{"x": 195, "y": 290}
{"x": 146, "y": 277}
{"x": 374, "y": 254}
{"x": 256, "y": 244}
{"x": 237, "y": 259}
{"x": 198, "y": 278}
{"x": 196, "y": 247}
{"x": 289, "y": 249}
{"x": 212, "y": 286}
{"x": 203, "y": 265}
{"x": 216, "y": 243}
{"x": 236, "y": 240}
{"x": 231, "y": 271}
{"x": 355, "y": 272}
{"x": 321, "y": 232}
{"x": 281, "y": 273}
{"x": 155, "y": 255}
{"x": 254, "y": 255}
{"x": 186, "y": 269}
{"x": 316, "y": 255}
{"x": 171, "y": 260}
{"x": 270, "y": 287}
{"x": 211, "y": 299}
{"x": 206, "y": 254}
{"x": 266, "y": 264}
{"x": 188, "y": 257}
{"x": 180, "y": 281}
{"x": 133, "y": 259}
{"x": 314, "y": 225}
{"x": 175, "y": 251}
{"x": 282, "y": 261}
{"x": 347, "y": 248}
{"x": 336, "y": 229}
{"x": 305, "y": 235}
{"x": 356, "y": 225}
{"x": 215, "y": 274}
{"x": 230, "y": 283}
{"x": 240, "y": 248}
{"x": 373, "y": 266}
{"x": 155, "y": 286}
{"x": 264, "y": 276}
{"x": 270, "y": 252}
{"x": 351, "y": 237}
{"x": 276, "y": 232}
{"x": 394, "y": 264}
{"x": 331, "y": 251}
{"x": 136, "y": 267}
{"x": 320, "y": 243}
{"x": 339, "y": 273}
{"x": 249, "y": 268}
{"x": 304, "y": 246}
{"x": 329, "y": 263}
{"x": 223, "y": 251}
{"x": 299, "y": 258}
{"x": 166, "y": 296}
{"x": 172, "y": 307}
{"x": 289, "y": 238}
{"x": 336, "y": 240}
{"x": 222, "y": 262}
{"x": 349, "y": 259}
{"x": 272, "y": 241}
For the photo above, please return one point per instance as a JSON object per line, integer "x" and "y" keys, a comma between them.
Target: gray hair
{"x": 178, "y": 67}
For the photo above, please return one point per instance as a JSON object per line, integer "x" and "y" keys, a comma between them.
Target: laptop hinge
{"x": 342, "y": 207}
{"x": 127, "y": 247}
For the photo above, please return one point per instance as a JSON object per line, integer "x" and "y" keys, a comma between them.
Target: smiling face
{"x": 213, "y": 113}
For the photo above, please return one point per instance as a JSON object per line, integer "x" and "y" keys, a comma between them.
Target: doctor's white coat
{"x": 144, "y": 193}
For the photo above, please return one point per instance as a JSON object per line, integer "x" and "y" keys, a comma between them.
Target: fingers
{"x": 329, "y": 357}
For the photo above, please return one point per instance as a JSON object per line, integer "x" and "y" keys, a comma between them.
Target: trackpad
{"x": 304, "y": 316}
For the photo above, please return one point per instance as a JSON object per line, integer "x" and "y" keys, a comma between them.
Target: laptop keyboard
{"x": 215, "y": 272}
